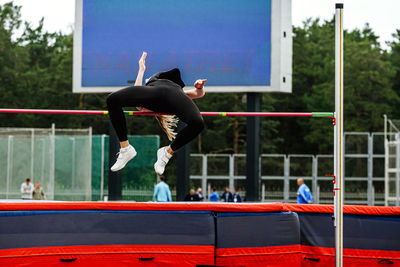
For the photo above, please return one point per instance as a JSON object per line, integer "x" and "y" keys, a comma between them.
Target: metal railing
{"x": 314, "y": 172}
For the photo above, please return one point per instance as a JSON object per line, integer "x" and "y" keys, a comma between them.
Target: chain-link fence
{"x": 60, "y": 159}
{"x": 73, "y": 165}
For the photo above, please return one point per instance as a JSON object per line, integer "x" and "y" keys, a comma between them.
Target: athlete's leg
{"x": 133, "y": 96}
{"x": 188, "y": 112}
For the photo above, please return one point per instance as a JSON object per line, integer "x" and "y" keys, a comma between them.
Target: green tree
{"x": 394, "y": 58}
{"x": 36, "y": 72}
{"x": 367, "y": 82}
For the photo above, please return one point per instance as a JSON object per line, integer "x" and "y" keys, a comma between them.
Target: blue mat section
{"x": 359, "y": 231}
{"x": 43, "y": 228}
{"x": 257, "y": 229}
{"x": 67, "y": 228}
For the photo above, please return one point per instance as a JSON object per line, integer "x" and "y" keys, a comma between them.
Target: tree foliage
{"x": 36, "y": 72}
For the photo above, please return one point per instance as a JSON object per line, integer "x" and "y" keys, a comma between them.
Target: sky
{"x": 383, "y": 16}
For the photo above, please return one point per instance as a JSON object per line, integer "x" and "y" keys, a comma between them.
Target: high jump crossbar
{"x": 223, "y": 114}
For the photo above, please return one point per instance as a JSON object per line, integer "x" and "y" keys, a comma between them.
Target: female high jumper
{"x": 163, "y": 93}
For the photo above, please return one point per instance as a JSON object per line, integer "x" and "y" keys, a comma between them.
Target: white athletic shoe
{"x": 162, "y": 159}
{"x": 125, "y": 155}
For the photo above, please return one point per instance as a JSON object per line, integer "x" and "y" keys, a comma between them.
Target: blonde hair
{"x": 168, "y": 123}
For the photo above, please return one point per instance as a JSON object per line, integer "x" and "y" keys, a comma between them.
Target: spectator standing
{"x": 214, "y": 197}
{"x": 38, "y": 193}
{"x": 161, "y": 191}
{"x": 236, "y": 196}
{"x": 200, "y": 194}
{"x": 27, "y": 189}
{"x": 192, "y": 196}
{"x": 303, "y": 193}
{"x": 227, "y": 195}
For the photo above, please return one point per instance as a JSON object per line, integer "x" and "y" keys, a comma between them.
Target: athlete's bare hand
{"x": 142, "y": 62}
{"x": 200, "y": 83}
{"x": 144, "y": 109}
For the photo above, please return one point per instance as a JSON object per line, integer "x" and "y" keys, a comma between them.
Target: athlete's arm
{"x": 142, "y": 68}
{"x": 139, "y": 78}
{"x": 198, "y": 91}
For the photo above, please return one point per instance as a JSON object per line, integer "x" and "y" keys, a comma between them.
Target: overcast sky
{"x": 383, "y": 16}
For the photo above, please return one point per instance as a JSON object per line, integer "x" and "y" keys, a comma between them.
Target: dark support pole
{"x": 114, "y": 178}
{"x": 253, "y": 148}
{"x": 182, "y": 172}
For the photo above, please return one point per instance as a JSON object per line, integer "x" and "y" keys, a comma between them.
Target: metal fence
{"x": 364, "y": 169}
{"x": 364, "y": 172}
{"x": 392, "y": 161}
{"x": 60, "y": 159}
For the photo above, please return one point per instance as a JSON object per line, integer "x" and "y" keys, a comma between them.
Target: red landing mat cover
{"x": 114, "y": 255}
{"x": 185, "y": 206}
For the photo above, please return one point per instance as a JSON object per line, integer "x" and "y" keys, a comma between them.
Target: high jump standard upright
{"x": 338, "y": 164}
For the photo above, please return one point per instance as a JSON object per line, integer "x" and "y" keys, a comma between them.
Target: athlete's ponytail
{"x": 168, "y": 123}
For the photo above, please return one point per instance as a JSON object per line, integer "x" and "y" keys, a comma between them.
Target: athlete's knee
{"x": 112, "y": 100}
{"x": 197, "y": 124}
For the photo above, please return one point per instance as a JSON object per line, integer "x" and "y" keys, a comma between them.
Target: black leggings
{"x": 161, "y": 96}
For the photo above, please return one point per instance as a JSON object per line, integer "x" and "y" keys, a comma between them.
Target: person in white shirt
{"x": 200, "y": 194}
{"x": 27, "y": 189}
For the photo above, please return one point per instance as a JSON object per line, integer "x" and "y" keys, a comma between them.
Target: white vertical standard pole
{"x": 9, "y": 164}
{"x": 102, "y": 167}
{"x": 43, "y": 160}
{"x": 73, "y": 163}
{"x": 52, "y": 161}
{"x": 89, "y": 188}
{"x": 386, "y": 160}
{"x": 339, "y": 144}
{"x": 32, "y": 154}
{"x": 335, "y": 164}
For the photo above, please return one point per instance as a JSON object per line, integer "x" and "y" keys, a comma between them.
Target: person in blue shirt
{"x": 214, "y": 197}
{"x": 303, "y": 193}
{"x": 161, "y": 191}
